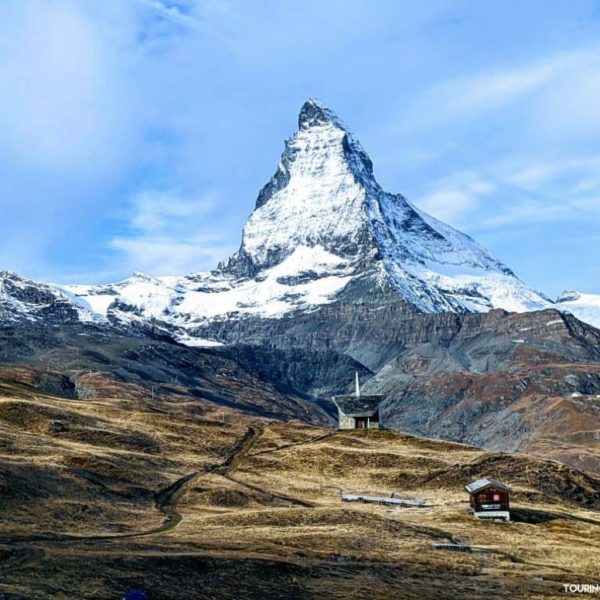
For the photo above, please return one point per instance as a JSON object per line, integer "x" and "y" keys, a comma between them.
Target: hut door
{"x": 361, "y": 423}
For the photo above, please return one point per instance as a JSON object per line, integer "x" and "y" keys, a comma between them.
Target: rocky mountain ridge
{"x": 25, "y": 300}
{"x": 323, "y": 229}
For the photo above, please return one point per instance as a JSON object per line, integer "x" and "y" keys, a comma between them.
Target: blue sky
{"x": 135, "y": 134}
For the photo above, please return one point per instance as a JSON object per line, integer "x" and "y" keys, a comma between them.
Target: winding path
{"x": 166, "y": 500}
{"x": 24, "y": 556}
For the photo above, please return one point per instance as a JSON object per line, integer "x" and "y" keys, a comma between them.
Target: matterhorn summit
{"x": 322, "y": 229}
{"x": 324, "y": 213}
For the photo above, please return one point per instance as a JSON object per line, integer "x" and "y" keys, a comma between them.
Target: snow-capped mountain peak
{"x": 315, "y": 198}
{"x": 24, "y": 299}
{"x": 319, "y": 225}
{"x": 314, "y": 113}
{"x": 324, "y": 195}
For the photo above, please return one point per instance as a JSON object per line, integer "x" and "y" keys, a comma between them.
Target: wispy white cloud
{"x": 526, "y": 212}
{"x": 548, "y": 182}
{"x": 71, "y": 121}
{"x": 556, "y": 92}
{"x": 171, "y": 12}
{"x": 518, "y": 193}
{"x": 543, "y": 210}
{"x": 488, "y": 91}
{"x": 455, "y": 198}
{"x": 166, "y": 256}
{"x": 166, "y": 233}
{"x": 154, "y": 212}
{"x": 576, "y": 174}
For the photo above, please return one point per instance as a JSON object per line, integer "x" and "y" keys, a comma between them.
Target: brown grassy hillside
{"x": 186, "y": 499}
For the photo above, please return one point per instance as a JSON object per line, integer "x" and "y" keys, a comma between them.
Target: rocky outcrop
{"x": 25, "y": 300}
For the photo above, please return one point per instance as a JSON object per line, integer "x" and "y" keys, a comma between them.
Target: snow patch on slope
{"x": 24, "y": 299}
{"x": 306, "y": 278}
{"x": 195, "y": 342}
{"x": 480, "y": 290}
{"x": 149, "y": 296}
{"x": 586, "y": 307}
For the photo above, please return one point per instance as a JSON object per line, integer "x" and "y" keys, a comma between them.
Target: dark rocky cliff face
{"x": 23, "y": 299}
{"x": 485, "y": 379}
{"x": 374, "y": 333}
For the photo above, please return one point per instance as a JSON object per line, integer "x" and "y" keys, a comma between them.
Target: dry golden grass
{"x": 186, "y": 499}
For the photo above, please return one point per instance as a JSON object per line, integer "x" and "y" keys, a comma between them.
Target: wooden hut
{"x": 489, "y": 499}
